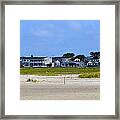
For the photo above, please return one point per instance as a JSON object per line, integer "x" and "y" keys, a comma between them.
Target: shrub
{"x": 90, "y": 75}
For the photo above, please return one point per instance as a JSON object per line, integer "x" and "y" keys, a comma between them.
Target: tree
{"x": 31, "y": 56}
{"x": 69, "y": 55}
{"x": 81, "y": 57}
{"x": 95, "y": 55}
{"x": 21, "y": 66}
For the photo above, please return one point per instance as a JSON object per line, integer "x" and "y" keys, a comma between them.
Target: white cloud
{"x": 41, "y": 33}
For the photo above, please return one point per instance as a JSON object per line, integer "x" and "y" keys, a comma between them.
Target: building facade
{"x": 33, "y": 61}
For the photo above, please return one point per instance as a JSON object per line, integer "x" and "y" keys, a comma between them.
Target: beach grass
{"x": 84, "y": 72}
{"x": 90, "y": 75}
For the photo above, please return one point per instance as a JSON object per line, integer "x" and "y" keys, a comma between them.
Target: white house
{"x": 80, "y": 64}
{"x": 77, "y": 60}
{"x": 57, "y": 63}
{"x": 37, "y": 61}
{"x": 32, "y": 61}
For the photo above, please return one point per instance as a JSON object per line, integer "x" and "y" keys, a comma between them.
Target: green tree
{"x": 69, "y": 55}
{"x": 95, "y": 55}
{"x": 81, "y": 57}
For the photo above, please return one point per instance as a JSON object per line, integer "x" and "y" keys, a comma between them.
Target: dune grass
{"x": 90, "y": 75}
{"x": 84, "y": 72}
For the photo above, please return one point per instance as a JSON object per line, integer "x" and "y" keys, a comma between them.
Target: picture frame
{"x": 2, "y": 56}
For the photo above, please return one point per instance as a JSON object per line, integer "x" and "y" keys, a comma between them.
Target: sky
{"x": 57, "y": 37}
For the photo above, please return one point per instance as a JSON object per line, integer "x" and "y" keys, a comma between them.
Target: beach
{"x": 63, "y": 87}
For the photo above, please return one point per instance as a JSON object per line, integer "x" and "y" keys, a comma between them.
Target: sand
{"x": 65, "y": 87}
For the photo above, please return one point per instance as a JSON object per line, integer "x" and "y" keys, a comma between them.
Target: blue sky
{"x": 56, "y": 37}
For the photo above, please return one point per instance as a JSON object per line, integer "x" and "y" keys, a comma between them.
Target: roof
{"x": 29, "y": 57}
{"x": 58, "y": 57}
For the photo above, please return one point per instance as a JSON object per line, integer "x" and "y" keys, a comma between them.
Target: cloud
{"x": 41, "y": 33}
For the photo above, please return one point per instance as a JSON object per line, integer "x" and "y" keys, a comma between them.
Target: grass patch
{"x": 90, "y": 75}
{"x": 87, "y": 72}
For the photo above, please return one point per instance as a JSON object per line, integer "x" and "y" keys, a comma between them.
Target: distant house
{"x": 32, "y": 61}
{"x": 91, "y": 62}
{"x": 60, "y": 61}
{"x": 80, "y": 64}
{"x": 77, "y": 60}
{"x": 69, "y": 64}
{"x": 57, "y": 63}
{"x": 36, "y": 61}
{"x": 65, "y": 64}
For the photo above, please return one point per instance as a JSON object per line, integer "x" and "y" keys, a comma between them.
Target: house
{"x": 32, "y": 61}
{"x": 92, "y": 62}
{"x": 37, "y": 61}
{"x": 71, "y": 64}
{"x": 80, "y": 64}
{"x": 57, "y": 63}
{"x": 60, "y": 61}
{"x": 77, "y": 60}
